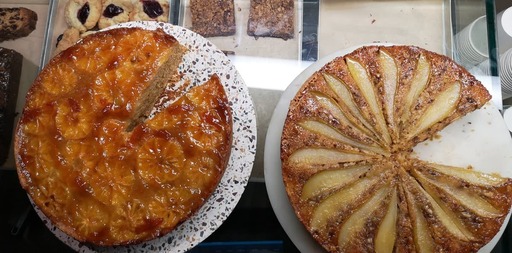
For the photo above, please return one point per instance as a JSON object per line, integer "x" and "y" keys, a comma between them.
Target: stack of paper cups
{"x": 504, "y": 28}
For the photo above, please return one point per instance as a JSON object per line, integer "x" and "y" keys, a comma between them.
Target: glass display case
{"x": 469, "y": 31}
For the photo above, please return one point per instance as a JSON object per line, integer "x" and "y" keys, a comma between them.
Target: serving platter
{"x": 480, "y": 139}
{"x": 201, "y": 61}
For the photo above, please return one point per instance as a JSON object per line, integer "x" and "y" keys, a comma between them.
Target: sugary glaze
{"x": 93, "y": 179}
{"x": 346, "y": 156}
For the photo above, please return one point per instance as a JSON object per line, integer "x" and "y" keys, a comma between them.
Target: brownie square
{"x": 213, "y": 18}
{"x": 271, "y": 18}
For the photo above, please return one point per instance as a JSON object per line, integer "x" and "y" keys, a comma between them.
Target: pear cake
{"x": 111, "y": 148}
{"x": 347, "y": 163}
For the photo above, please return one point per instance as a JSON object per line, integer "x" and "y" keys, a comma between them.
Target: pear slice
{"x": 386, "y": 235}
{"x": 417, "y": 85}
{"x": 445, "y": 217}
{"x": 466, "y": 198}
{"x": 357, "y": 221}
{"x": 310, "y": 157}
{"x": 443, "y": 105}
{"x": 335, "y": 204}
{"x": 331, "y": 133}
{"x": 346, "y": 99}
{"x": 331, "y": 179}
{"x": 365, "y": 85}
{"x": 422, "y": 238}
{"x": 429, "y": 185}
{"x": 389, "y": 72}
{"x": 468, "y": 175}
{"x": 343, "y": 117}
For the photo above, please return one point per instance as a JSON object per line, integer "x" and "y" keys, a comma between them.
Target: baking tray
{"x": 245, "y": 45}
{"x": 32, "y": 50}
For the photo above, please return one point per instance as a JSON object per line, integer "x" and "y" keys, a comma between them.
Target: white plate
{"x": 227, "y": 194}
{"x": 481, "y": 139}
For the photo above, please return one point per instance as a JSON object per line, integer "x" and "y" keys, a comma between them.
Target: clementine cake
{"x": 347, "y": 156}
{"x": 111, "y": 148}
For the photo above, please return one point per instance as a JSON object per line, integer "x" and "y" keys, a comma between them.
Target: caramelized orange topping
{"x": 98, "y": 182}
